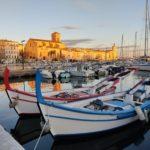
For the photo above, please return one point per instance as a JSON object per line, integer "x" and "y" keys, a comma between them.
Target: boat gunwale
{"x": 85, "y": 111}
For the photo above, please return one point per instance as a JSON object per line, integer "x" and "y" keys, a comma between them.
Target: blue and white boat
{"x": 95, "y": 115}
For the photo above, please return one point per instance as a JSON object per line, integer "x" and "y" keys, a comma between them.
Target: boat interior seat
{"x": 118, "y": 103}
{"x": 96, "y": 105}
{"x": 112, "y": 105}
{"x": 138, "y": 94}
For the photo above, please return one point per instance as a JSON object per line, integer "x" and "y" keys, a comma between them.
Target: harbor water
{"x": 26, "y": 130}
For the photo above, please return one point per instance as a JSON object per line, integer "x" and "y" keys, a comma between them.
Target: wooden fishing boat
{"x": 117, "y": 140}
{"x": 95, "y": 115}
{"x": 25, "y": 103}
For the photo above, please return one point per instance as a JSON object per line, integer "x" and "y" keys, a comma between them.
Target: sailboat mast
{"x": 122, "y": 39}
{"x": 135, "y": 46}
{"x": 146, "y": 29}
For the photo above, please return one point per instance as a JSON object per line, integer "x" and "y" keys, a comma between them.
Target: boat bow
{"x": 39, "y": 96}
{"x": 6, "y": 78}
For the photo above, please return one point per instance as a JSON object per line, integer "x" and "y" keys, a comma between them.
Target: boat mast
{"x": 146, "y": 29}
{"x": 135, "y": 46}
{"x": 122, "y": 39}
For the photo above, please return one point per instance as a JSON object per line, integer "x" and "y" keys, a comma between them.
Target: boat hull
{"x": 143, "y": 67}
{"x": 25, "y": 104}
{"x": 74, "y": 123}
{"x": 81, "y": 74}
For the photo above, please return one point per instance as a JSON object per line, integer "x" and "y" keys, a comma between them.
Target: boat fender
{"x": 140, "y": 113}
{"x": 147, "y": 114}
{"x": 14, "y": 102}
{"x": 46, "y": 127}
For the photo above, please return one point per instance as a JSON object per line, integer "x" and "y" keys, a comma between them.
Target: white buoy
{"x": 140, "y": 113}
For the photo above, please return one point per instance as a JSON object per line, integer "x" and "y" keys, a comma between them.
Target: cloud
{"x": 70, "y": 27}
{"x": 75, "y": 42}
{"x": 100, "y": 46}
{"x": 67, "y": 27}
{"x": 106, "y": 45}
{"x": 84, "y": 4}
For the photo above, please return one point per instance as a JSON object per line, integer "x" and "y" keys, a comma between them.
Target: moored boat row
{"x": 84, "y": 111}
{"x": 25, "y": 103}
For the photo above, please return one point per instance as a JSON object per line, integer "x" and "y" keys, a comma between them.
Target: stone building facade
{"x": 55, "y": 49}
{"x": 9, "y": 50}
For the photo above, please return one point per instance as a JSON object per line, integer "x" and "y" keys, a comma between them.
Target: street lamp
{"x": 22, "y": 42}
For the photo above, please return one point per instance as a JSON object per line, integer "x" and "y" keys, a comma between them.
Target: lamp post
{"x": 22, "y": 42}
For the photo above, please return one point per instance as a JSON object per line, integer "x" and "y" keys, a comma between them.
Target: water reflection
{"x": 65, "y": 80}
{"x": 47, "y": 84}
{"x": 78, "y": 82}
{"x": 133, "y": 134}
{"x": 27, "y": 129}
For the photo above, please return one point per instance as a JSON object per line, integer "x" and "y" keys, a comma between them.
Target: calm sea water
{"x": 26, "y": 130}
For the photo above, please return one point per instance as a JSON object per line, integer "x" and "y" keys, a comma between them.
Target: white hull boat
{"x": 142, "y": 67}
{"x": 46, "y": 74}
{"x": 93, "y": 115}
{"x": 85, "y": 73}
{"x": 118, "y": 139}
{"x": 64, "y": 75}
{"x": 56, "y": 74}
{"x": 25, "y": 103}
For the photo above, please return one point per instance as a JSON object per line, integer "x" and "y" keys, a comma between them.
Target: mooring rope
{"x": 40, "y": 135}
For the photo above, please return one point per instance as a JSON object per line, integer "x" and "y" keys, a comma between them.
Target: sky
{"x": 82, "y": 23}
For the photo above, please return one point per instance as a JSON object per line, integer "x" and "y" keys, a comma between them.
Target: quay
{"x": 7, "y": 142}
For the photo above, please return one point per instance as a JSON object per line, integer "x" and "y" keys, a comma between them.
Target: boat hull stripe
{"x": 23, "y": 100}
{"x": 78, "y": 119}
